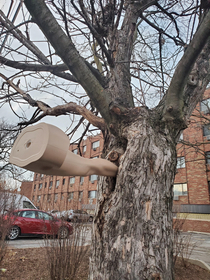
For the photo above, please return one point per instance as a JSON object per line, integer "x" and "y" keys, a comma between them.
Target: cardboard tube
{"x": 44, "y": 148}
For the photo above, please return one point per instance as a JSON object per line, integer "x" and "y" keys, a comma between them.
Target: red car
{"x": 37, "y": 222}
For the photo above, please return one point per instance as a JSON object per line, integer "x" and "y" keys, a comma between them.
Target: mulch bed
{"x": 31, "y": 264}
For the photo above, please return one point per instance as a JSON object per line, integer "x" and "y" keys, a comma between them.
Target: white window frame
{"x": 92, "y": 194}
{"x": 57, "y": 183}
{"x": 70, "y": 196}
{"x": 180, "y": 189}
{"x": 84, "y": 149}
{"x": 82, "y": 178}
{"x": 205, "y": 106}
{"x": 207, "y": 155}
{"x": 72, "y": 180}
{"x": 180, "y": 162}
{"x": 75, "y": 151}
{"x": 80, "y": 195}
{"x": 93, "y": 178}
{"x": 95, "y": 145}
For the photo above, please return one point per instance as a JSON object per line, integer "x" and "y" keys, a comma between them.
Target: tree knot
{"x": 113, "y": 156}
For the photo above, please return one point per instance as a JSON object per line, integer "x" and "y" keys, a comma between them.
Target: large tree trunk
{"x": 132, "y": 235}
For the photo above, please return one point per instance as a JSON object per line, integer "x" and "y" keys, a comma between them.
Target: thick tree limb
{"x": 174, "y": 100}
{"x": 66, "y": 50}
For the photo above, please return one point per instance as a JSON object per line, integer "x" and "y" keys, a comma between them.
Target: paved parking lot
{"x": 199, "y": 242}
{"x": 36, "y": 242}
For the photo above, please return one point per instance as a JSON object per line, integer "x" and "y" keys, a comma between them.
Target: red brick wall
{"x": 195, "y": 225}
{"x": 26, "y": 189}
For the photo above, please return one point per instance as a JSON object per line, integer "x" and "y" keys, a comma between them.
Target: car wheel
{"x": 90, "y": 219}
{"x": 63, "y": 233}
{"x": 14, "y": 233}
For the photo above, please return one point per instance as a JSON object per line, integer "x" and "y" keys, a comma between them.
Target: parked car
{"x": 36, "y": 222}
{"x": 76, "y": 216}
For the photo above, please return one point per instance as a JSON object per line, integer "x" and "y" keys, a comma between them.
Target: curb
{"x": 198, "y": 232}
{"x": 200, "y": 263}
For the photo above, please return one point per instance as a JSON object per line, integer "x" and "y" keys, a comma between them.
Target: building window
{"x": 82, "y": 180}
{"x": 181, "y": 136}
{"x": 36, "y": 176}
{"x": 41, "y": 176}
{"x": 180, "y": 189}
{"x": 180, "y": 162}
{"x": 209, "y": 187}
{"x": 48, "y": 197}
{"x": 205, "y": 106}
{"x": 51, "y": 184}
{"x": 92, "y": 194}
{"x": 57, "y": 183}
{"x": 40, "y": 186}
{"x": 62, "y": 196}
{"x": 84, "y": 149}
{"x": 45, "y": 185}
{"x": 70, "y": 196}
{"x": 95, "y": 145}
{"x": 34, "y": 187}
{"x": 93, "y": 178}
{"x": 33, "y": 198}
{"x": 207, "y": 154}
{"x": 56, "y": 197}
{"x": 206, "y": 130}
{"x": 75, "y": 151}
{"x": 38, "y": 198}
{"x": 80, "y": 195}
{"x": 72, "y": 180}
{"x": 64, "y": 180}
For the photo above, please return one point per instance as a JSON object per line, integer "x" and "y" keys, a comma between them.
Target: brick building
{"x": 191, "y": 185}
{"x": 192, "y": 181}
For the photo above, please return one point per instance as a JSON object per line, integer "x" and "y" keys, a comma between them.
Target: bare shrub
{"x": 182, "y": 243}
{"x": 66, "y": 256}
{"x": 5, "y": 221}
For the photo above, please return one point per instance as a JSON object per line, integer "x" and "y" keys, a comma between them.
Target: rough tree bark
{"x": 132, "y": 236}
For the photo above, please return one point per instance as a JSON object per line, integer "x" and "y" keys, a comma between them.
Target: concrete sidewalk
{"x": 199, "y": 249}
